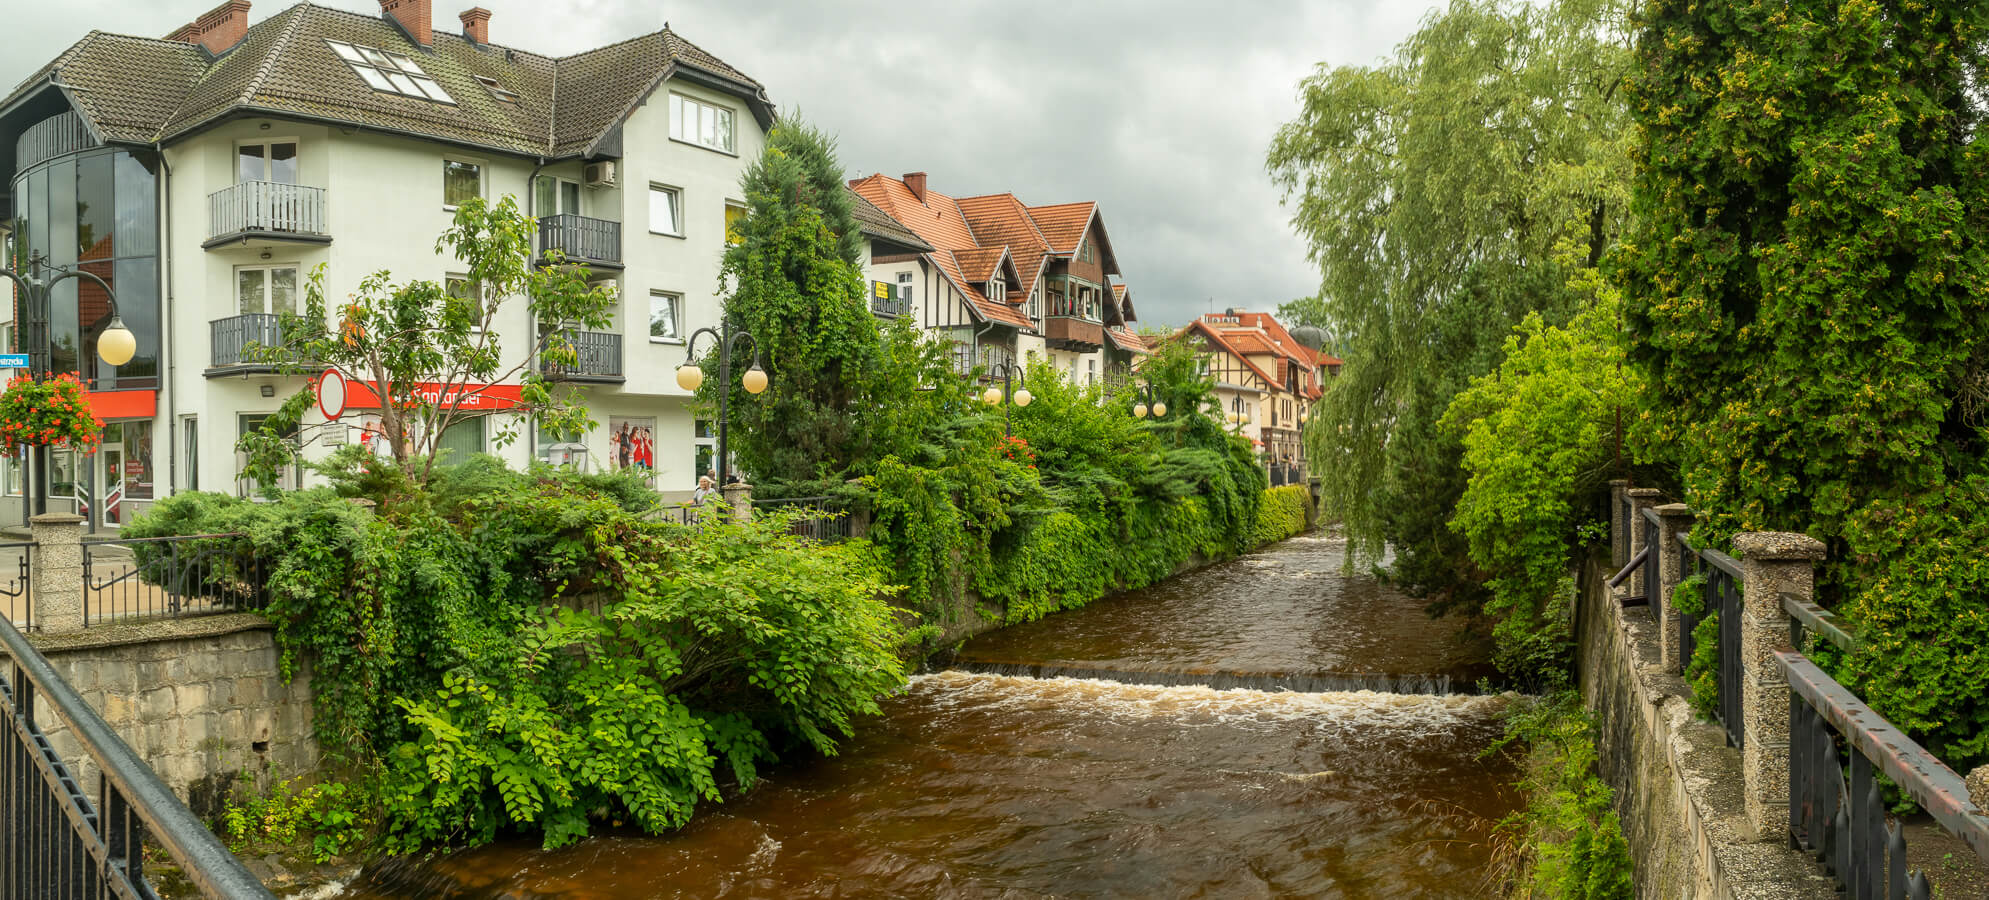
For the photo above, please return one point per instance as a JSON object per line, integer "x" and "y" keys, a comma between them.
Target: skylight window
{"x": 384, "y": 70}
{"x": 496, "y": 90}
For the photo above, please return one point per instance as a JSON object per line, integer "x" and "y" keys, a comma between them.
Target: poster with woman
{"x": 632, "y": 445}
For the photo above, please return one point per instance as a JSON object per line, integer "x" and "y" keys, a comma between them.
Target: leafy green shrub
{"x": 1281, "y": 514}
{"x": 1566, "y": 843}
{"x": 331, "y": 815}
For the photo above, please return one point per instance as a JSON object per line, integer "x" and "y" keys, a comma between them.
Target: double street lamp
{"x": 690, "y": 376}
{"x": 1011, "y": 389}
{"x": 1148, "y": 401}
{"x": 115, "y": 344}
{"x": 1239, "y": 416}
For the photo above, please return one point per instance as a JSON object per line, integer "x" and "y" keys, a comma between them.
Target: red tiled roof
{"x": 937, "y": 221}
{"x": 1063, "y": 224}
{"x": 1222, "y": 342}
{"x": 950, "y": 265}
{"x": 1126, "y": 339}
{"x": 981, "y": 263}
{"x": 1002, "y": 219}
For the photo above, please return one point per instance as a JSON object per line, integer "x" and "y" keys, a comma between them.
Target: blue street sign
{"x": 13, "y": 360}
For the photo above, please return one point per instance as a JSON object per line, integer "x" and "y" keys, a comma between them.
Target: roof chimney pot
{"x": 476, "y": 24}
{"x": 916, "y": 181}
{"x": 217, "y": 29}
{"x": 416, "y": 17}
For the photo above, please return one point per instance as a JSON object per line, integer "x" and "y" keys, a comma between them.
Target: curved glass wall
{"x": 95, "y": 209}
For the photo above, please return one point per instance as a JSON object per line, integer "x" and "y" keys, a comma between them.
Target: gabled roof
{"x": 1126, "y": 339}
{"x": 950, "y": 265}
{"x": 879, "y": 226}
{"x": 1124, "y": 295}
{"x": 938, "y": 219}
{"x": 142, "y": 90}
{"x": 1065, "y": 225}
{"x": 1221, "y": 341}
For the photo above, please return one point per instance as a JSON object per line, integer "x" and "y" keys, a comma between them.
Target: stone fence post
{"x": 1674, "y": 519}
{"x": 1772, "y": 563}
{"x": 1619, "y": 543}
{"x": 739, "y": 497}
{"x": 1642, "y": 499}
{"x": 57, "y": 578}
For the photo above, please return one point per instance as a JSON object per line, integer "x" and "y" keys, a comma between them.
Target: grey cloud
{"x": 1159, "y": 111}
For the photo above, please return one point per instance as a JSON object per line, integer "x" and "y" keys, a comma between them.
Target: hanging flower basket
{"x": 48, "y": 412}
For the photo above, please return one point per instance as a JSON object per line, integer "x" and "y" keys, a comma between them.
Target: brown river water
{"x": 1213, "y": 750}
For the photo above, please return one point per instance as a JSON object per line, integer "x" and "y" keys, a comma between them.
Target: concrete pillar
{"x": 1772, "y": 563}
{"x": 739, "y": 498}
{"x": 57, "y": 578}
{"x": 1674, "y": 519}
{"x": 1978, "y": 786}
{"x": 1619, "y": 543}
{"x": 1644, "y": 583}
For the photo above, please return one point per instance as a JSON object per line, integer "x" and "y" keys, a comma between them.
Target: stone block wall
{"x": 201, "y": 700}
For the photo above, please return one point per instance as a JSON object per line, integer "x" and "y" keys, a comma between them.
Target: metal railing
{"x": 823, "y": 519}
{"x": 891, "y": 307}
{"x": 599, "y": 356}
{"x": 581, "y": 239}
{"x": 56, "y": 842}
{"x": 1721, "y": 593}
{"x": 170, "y": 577}
{"x": 17, "y": 590}
{"x": 267, "y": 206}
{"x": 231, "y": 337}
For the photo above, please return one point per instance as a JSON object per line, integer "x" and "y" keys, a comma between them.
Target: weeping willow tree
{"x": 1445, "y": 193}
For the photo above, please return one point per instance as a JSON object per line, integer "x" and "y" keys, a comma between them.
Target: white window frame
{"x": 676, "y": 314}
{"x": 483, "y": 302}
{"x": 726, "y": 223}
{"x": 268, "y": 291}
{"x": 997, "y": 289}
{"x": 695, "y": 136}
{"x": 483, "y": 178}
{"x": 559, "y": 189}
{"x": 264, "y": 143}
{"x": 655, "y": 188}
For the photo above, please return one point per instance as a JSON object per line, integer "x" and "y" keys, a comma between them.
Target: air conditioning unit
{"x": 600, "y": 174}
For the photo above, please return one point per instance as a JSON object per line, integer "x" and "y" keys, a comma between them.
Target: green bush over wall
{"x": 1281, "y": 514}
{"x": 1566, "y": 843}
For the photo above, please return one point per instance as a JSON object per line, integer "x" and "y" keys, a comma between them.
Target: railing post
{"x": 1772, "y": 563}
{"x": 1642, "y": 499}
{"x": 739, "y": 496}
{"x": 1619, "y": 543}
{"x": 58, "y": 571}
{"x": 1674, "y": 519}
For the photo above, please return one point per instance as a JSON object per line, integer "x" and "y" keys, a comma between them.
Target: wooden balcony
{"x": 267, "y": 210}
{"x": 1073, "y": 333}
{"x": 596, "y": 243}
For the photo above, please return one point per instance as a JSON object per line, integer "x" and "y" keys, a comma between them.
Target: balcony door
{"x": 557, "y": 197}
{"x": 266, "y": 290}
{"x": 275, "y": 161}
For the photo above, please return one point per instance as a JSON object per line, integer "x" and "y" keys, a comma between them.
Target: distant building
{"x": 1266, "y": 379}
{"x": 1000, "y": 280}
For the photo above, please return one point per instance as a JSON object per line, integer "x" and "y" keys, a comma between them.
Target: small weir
{"x": 1201, "y": 738}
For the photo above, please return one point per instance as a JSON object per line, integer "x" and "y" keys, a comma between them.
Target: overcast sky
{"x": 1159, "y": 111}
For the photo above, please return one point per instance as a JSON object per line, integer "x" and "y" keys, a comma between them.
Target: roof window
{"x": 391, "y": 72}
{"x": 496, "y": 90}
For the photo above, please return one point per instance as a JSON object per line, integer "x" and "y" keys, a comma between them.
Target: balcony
{"x": 1073, "y": 333}
{"x": 593, "y": 242}
{"x": 600, "y": 359}
{"x": 266, "y": 210}
{"x": 889, "y": 301}
{"x": 231, "y": 338}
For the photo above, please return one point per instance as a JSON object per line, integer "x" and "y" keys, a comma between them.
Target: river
{"x": 1216, "y": 746}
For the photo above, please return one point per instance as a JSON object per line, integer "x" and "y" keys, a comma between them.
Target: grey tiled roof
{"x": 144, "y": 90}
{"x": 877, "y": 223}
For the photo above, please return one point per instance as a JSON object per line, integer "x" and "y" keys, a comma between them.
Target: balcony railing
{"x": 231, "y": 337}
{"x": 1070, "y": 333}
{"x": 581, "y": 239}
{"x": 600, "y": 358}
{"x": 889, "y": 300}
{"x": 267, "y": 209}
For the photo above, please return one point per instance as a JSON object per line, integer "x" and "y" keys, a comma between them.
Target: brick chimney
{"x": 416, "y": 18}
{"x": 916, "y": 181}
{"x": 217, "y": 29}
{"x": 476, "y": 24}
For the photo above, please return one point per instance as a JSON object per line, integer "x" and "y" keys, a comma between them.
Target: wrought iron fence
{"x": 170, "y": 577}
{"x": 17, "y": 588}
{"x": 1721, "y": 593}
{"x": 824, "y": 519}
{"x": 58, "y": 843}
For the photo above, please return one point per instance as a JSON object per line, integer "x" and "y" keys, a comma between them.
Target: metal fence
{"x": 17, "y": 564}
{"x": 169, "y": 577}
{"x": 229, "y": 339}
{"x": 1721, "y": 592}
{"x": 56, "y": 842}
{"x": 824, "y": 519}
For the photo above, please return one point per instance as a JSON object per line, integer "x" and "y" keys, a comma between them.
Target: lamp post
{"x": 690, "y": 376}
{"x": 1238, "y": 415}
{"x": 115, "y": 344}
{"x": 1148, "y": 401}
{"x": 1011, "y": 389}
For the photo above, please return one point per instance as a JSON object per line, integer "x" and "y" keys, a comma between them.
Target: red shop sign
{"x": 467, "y": 397}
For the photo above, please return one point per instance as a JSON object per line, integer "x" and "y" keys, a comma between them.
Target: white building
{"x": 206, "y": 175}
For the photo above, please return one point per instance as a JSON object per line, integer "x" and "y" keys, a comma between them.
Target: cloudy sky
{"x": 1159, "y": 111}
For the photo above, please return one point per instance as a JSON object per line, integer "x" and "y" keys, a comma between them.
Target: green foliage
{"x": 1566, "y": 843}
{"x": 1446, "y": 194}
{"x": 1806, "y": 292}
{"x": 1281, "y": 514}
{"x": 1702, "y": 671}
{"x": 1535, "y": 436}
{"x": 330, "y": 815}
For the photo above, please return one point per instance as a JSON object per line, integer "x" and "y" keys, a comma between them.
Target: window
{"x": 191, "y": 425}
{"x": 905, "y": 289}
{"x": 557, "y": 196}
{"x": 12, "y": 484}
{"x": 663, "y": 316}
{"x": 461, "y": 181}
{"x": 497, "y": 90}
{"x": 289, "y": 479}
{"x": 276, "y": 161}
{"x": 666, "y": 210}
{"x": 461, "y": 440}
{"x": 544, "y": 439}
{"x": 266, "y": 289}
{"x": 460, "y": 288}
{"x": 700, "y": 123}
{"x": 734, "y": 215}
{"x": 704, "y": 451}
{"x": 1091, "y": 377}
{"x": 384, "y": 70}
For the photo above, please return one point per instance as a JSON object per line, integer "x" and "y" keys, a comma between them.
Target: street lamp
{"x": 1010, "y": 389}
{"x": 1239, "y": 416}
{"x": 1148, "y": 401}
{"x": 690, "y": 376}
{"x": 115, "y": 344}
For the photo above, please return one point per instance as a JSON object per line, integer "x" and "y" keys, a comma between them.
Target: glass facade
{"x": 94, "y": 209}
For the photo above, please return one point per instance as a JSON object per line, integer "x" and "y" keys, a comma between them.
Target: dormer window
{"x": 998, "y": 290}
{"x": 390, "y": 72}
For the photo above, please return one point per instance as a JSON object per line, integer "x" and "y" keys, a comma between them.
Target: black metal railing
{"x": 1836, "y": 812}
{"x": 17, "y": 588}
{"x": 892, "y": 307}
{"x": 231, "y": 337}
{"x": 56, "y": 842}
{"x": 1721, "y": 592}
{"x": 170, "y": 577}
{"x": 823, "y": 519}
{"x": 599, "y": 356}
{"x": 581, "y": 239}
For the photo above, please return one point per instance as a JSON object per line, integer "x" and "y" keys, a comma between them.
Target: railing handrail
{"x": 1920, "y": 774}
{"x": 1722, "y": 562}
{"x": 202, "y": 857}
{"x": 1822, "y": 621}
{"x": 161, "y": 538}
